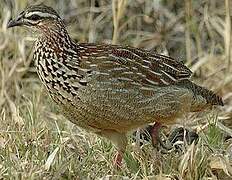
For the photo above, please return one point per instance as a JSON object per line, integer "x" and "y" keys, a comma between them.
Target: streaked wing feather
{"x": 135, "y": 64}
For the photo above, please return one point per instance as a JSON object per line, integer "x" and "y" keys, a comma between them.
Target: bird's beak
{"x": 15, "y": 22}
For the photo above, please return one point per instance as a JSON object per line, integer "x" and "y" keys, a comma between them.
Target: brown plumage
{"x": 110, "y": 89}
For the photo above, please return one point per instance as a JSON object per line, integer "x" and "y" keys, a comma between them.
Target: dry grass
{"x": 36, "y": 142}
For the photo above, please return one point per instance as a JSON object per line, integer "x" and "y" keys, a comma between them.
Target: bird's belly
{"x": 126, "y": 109}
{"x": 105, "y": 114}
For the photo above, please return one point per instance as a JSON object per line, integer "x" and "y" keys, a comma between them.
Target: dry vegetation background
{"x": 36, "y": 142}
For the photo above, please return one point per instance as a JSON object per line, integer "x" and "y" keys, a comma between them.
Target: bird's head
{"x": 39, "y": 17}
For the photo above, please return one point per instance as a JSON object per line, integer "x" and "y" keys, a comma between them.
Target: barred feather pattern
{"x": 124, "y": 87}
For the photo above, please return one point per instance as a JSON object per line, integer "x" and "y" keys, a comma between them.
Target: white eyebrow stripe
{"x": 41, "y": 14}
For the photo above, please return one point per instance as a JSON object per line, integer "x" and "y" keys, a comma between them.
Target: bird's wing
{"x": 133, "y": 64}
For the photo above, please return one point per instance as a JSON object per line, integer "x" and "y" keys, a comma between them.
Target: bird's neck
{"x": 57, "y": 36}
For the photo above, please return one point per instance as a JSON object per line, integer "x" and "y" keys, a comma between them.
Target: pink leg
{"x": 118, "y": 159}
{"x": 155, "y": 133}
{"x": 156, "y": 138}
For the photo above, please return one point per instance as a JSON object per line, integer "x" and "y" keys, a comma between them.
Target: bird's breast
{"x": 61, "y": 81}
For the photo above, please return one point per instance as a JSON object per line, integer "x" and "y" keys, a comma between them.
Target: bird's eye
{"x": 34, "y": 17}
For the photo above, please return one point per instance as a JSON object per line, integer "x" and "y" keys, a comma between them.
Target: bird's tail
{"x": 210, "y": 97}
{"x": 202, "y": 96}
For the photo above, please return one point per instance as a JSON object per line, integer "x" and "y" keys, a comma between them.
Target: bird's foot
{"x": 174, "y": 140}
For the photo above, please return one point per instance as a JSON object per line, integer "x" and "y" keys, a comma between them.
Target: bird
{"x": 107, "y": 89}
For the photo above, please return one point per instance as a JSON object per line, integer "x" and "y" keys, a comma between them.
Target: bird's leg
{"x": 156, "y": 137}
{"x": 154, "y": 132}
{"x": 120, "y": 141}
{"x": 118, "y": 159}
